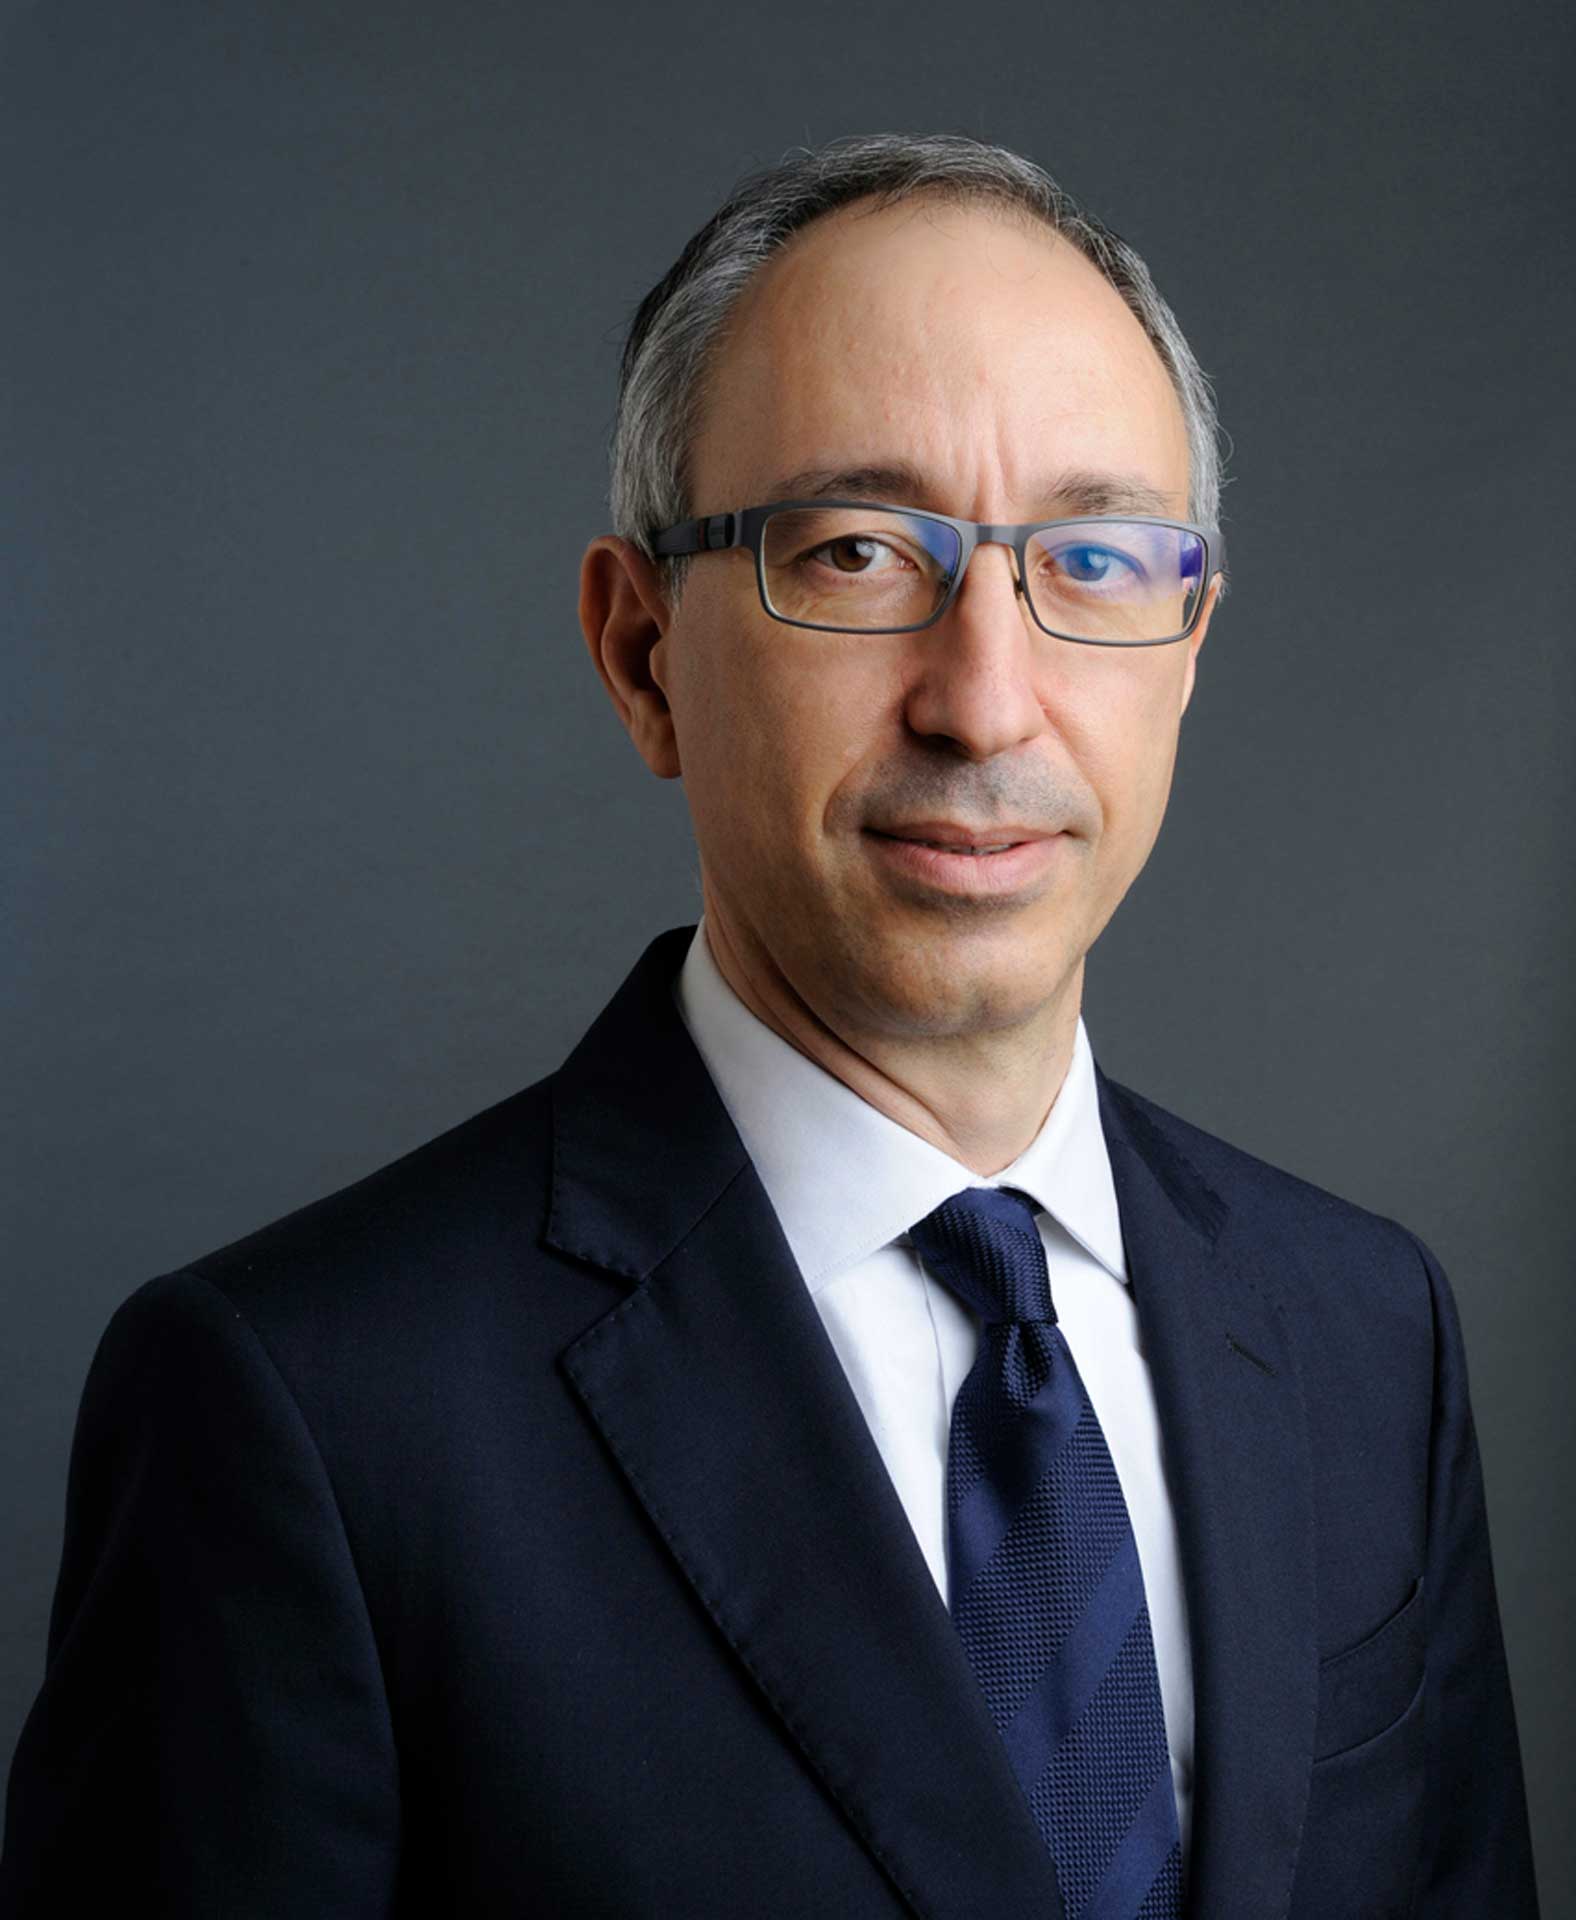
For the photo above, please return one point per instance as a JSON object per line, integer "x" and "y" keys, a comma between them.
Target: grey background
{"x": 319, "y": 833}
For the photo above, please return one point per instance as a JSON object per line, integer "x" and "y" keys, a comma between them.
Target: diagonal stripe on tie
{"x": 1110, "y": 1777}
{"x": 1013, "y": 1617}
{"x": 1017, "y": 1459}
{"x": 1047, "y": 1590}
{"x": 1073, "y": 1678}
{"x": 1148, "y": 1845}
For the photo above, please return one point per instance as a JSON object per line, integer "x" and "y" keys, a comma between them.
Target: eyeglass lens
{"x": 860, "y": 569}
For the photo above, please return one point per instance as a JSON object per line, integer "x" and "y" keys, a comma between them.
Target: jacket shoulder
{"x": 484, "y": 1177}
{"x": 1260, "y": 1199}
{"x": 421, "y": 1262}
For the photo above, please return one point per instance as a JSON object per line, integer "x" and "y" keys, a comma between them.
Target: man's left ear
{"x": 624, "y": 615}
{"x": 1195, "y": 639}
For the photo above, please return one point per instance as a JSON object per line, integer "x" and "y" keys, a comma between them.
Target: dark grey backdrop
{"x": 319, "y": 835}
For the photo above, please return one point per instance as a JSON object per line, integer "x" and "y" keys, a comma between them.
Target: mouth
{"x": 984, "y": 863}
{"x": 971, "y": 839}
{"x": 966, "y": 848}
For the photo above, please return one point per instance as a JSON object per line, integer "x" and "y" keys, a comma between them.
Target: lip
{"x": 950, "y": 834}
{"x": 1019, "y": 868}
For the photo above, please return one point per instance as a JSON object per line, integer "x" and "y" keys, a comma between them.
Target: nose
{"x": 973, "y": 682}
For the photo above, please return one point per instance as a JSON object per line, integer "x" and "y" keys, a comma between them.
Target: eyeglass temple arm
{"x": 717, "y": 530}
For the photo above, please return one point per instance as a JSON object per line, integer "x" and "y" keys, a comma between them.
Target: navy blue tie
{"x": 1046, "y": 1591}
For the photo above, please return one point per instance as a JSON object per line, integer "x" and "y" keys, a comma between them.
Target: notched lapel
{"x": 723, "y": 1403}
{"x": 1235, "y": 1442}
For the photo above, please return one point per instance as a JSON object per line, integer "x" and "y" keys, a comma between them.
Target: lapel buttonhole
{"x": 1252, "y": 1359}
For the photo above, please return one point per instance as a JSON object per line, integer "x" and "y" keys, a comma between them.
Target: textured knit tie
{"x": 1046, "y": 1591}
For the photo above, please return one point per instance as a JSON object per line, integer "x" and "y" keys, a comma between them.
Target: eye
{"x": 858, "y": 553}
{"x": 1090, "y": 565}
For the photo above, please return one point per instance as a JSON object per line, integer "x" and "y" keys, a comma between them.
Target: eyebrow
{"x": 1074, "y": 491}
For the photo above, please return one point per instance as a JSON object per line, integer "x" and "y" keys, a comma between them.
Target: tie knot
{"x": 984, "y": 1245}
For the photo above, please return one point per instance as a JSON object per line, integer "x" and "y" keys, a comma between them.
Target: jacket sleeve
{"x": 212, "y": 1736}
{"x": 1478, "y": 1853}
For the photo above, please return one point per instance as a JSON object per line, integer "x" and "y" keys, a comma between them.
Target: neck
{"x": 981, "y": 1098}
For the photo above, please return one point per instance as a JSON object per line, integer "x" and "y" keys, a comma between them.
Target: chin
{"x": 933, "y": 992}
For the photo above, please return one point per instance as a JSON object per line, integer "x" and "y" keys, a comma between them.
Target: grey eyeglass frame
{"x": 720, "y": 532}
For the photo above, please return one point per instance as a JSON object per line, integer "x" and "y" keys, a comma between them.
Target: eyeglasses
{"x": 847, "y": 566}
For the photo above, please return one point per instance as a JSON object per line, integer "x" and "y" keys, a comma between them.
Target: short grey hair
{"x": 677, "y": 327}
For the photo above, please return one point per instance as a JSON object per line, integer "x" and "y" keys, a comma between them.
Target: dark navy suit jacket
{"x": 500, "y": 1536}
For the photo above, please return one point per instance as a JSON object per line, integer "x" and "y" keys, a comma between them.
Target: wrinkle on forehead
{"x": 968, "y": 341}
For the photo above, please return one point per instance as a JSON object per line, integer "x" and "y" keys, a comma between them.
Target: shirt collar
{"x": 843, "y": 1178}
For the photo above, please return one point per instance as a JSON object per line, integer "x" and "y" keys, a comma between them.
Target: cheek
{"x": 838, "y": 702}
{"x": 1120, "y": 718}
{"x": 769, "y": 725}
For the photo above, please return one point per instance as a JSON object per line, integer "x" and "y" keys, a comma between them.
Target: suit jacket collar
{"x": 706, "y": 1377}
{"x": 642, "y": 1144}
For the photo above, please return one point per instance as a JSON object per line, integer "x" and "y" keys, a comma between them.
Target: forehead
{"x": 966, "y": 341}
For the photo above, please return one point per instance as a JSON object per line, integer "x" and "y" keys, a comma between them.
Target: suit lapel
{"x": 1231, "y": 1420}
{"x": 722, "y": 1402}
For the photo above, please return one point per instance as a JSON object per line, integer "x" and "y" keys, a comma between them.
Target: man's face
{"x": 995, "y": 368}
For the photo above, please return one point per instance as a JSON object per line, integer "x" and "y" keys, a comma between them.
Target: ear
{"x": 624, "y": 616}
{"x": 1196, "y": 639}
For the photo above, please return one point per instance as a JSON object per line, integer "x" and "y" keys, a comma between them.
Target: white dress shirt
{"x": 847, "y": 1182}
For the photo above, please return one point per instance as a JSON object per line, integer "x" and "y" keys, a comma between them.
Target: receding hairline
{"x": 926, "y": 196}
{"x": 965, "y": 198}
{"x": 964, "y": 195}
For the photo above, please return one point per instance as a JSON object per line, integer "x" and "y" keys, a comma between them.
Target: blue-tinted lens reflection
{"x": 1120, "y": 582}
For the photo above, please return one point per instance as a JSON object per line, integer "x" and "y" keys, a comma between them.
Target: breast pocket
{"x": 1367, "y": 1689}
{"x": 1365, "y": 1805}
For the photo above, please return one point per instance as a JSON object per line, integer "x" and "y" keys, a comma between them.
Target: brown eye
{"x": 853, "y": 555}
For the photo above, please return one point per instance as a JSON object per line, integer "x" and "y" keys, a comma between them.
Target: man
{"x": 826, "y": 1449}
